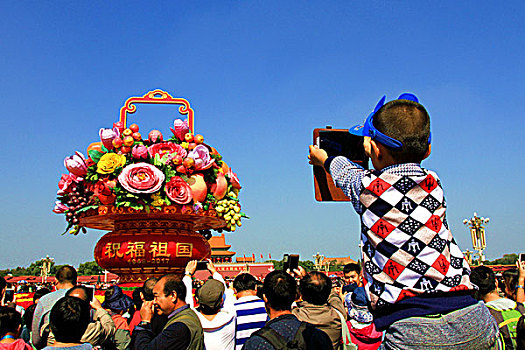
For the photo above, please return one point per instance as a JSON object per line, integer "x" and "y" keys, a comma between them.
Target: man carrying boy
{"x": 416, "y": 277}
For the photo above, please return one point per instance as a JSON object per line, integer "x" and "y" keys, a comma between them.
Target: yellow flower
{"x": 109, "y": 162}
{"x": 185, "y": 145}
{"x": 157, "y": 200}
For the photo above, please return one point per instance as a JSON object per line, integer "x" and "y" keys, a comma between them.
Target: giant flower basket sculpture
{"x": 158, "y": 198}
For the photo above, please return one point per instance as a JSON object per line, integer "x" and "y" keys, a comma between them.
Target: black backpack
{"x": 299, "y": 342}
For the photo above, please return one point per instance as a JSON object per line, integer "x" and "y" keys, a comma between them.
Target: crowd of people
{"x": 290, "y": 309}
{"x": 415, "y": 291}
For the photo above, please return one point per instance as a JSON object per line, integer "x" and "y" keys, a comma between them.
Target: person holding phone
{"x": 216, "y": 310}
{"x": 101, "y": 328}
{"x": 321, "y": 304}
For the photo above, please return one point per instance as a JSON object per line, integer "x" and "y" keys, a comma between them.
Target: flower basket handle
{"x": 157, "y": 97}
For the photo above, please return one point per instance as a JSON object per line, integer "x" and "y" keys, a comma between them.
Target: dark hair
{"x": 280, "y": 290}
{"x": 484, "y": 278}
{"x": 40, "y": 293}
{"x": 137, "y": 300}
{"x": 10, "y": 320}
{"x": 3, "y": 283}
{"x": 66, "y": 274}
{"x": 173, "y": 283}
{"x": 69, "y": 319}
{"x": 352, "y": 267}
{"x": 408, "y": 122}
{"x": 28, "y": 316}
{"x": 147, "y": 288}
{"x": 315, "y": 288}
{"x": 511, "y": 279}
{"x": 244, "y": 281}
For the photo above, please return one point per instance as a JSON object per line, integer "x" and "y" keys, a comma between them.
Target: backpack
{"x": 507, "y": 321}
{"x": 299, "y": 342}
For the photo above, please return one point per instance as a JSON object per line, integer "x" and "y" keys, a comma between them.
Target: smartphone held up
{"x": 336, "y": 142}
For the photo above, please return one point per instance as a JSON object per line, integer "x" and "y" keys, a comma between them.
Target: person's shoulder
{"x": 178, "y": 328}
{"x": 256, "y": 342}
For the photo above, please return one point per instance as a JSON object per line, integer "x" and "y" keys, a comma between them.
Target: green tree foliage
{"x": 90, "y": 268}
{"x": 507, "y": 259}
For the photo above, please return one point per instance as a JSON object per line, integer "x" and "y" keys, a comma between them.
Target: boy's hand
{"x": 317, "y": 156}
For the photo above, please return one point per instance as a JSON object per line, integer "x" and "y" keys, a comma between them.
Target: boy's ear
{"x": 428, "y": 151}
{"x": 374, "y": 150}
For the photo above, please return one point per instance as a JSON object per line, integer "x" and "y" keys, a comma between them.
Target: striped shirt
{"x": 251, "y": 316}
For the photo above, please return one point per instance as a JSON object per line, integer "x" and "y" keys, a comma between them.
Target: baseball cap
{"x": 210, "y": 294}
{"x": 368, "y": 129}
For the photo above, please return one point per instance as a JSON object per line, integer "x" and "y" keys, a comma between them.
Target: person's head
{"x": 279, "y": 290}
{"x": 352, "y": 273}
{"x": 40, "y": 293}
{"x": 66, "y": 275}
{"x": 137, "y": 300}
{"x": 511, "y": 281}
{"x": 396, "y": 132}
{"x": 356, "y": 305}
{"x": 10, "y": 321}
{"x": 147, "y": 288}
{"x": 116, "y": 301}
{"x": 79, "y": 291}
{"x": 315, "y": 288}
{"x": 169, "y": 294}
{"x": 244, "y": 282}
{"x": 28, "y": 315}
{"x": 69, "y": 319}
{"x": 209, "y": 297}
{"x": 484, "y": 278}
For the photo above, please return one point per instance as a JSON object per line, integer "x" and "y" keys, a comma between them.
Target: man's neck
{"x": 276, "y": 313}
{"x": 246, "y": 293}
{"x": 65, "y": 285}
{"x": 177, "y": 306}
{"x": 492, "y": 296}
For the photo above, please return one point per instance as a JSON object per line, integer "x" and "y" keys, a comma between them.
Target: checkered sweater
{"x": 408, "y": 249}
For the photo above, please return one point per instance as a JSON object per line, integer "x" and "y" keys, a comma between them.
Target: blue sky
{"x": 261, "y": 75}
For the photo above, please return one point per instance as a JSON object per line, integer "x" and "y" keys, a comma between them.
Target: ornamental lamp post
{"x": 318, "y": 258}
{"x": 45, "y": 268}
{"x": 477, "y": 233}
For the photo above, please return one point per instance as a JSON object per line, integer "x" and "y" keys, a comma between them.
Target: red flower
{"x": 102, "y": 190}
{"x": 67, "y": 182}
{"x": 178, "y": 190}
{"x": 166, "y": 148}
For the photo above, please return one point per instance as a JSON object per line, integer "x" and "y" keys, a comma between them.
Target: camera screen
{"x": 342, "y": 143}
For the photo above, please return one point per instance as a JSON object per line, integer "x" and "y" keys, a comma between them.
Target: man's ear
{"x": 428, "y": 151}
{"x": 142, "y": 297}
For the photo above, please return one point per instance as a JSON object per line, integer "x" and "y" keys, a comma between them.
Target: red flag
{"x": 270, "y": 256}
{"x": 253, "y": 256}
{"x": 261, "y": 256}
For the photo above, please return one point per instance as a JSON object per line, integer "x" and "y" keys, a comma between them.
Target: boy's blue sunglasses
{"x": 368, "y": 129}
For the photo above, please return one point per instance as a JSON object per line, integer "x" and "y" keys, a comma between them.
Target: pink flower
{"x": 166, "y": 148}
{"x": 141, "y": 178}
{"x": 60, "y": 207}
{"x": 140, "y": 152}
{"x": 76, "y": 164}
{"x": 107, "y": 136}
{"x": 202, "y": 158}
{"x": 67, "y": 182}
{"x": 180, "y": 128}
{"x": 233, "y": 179}
{"x": 178, "y": 190}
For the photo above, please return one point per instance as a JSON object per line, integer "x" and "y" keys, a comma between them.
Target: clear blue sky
{"x": 261, "y": 75}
